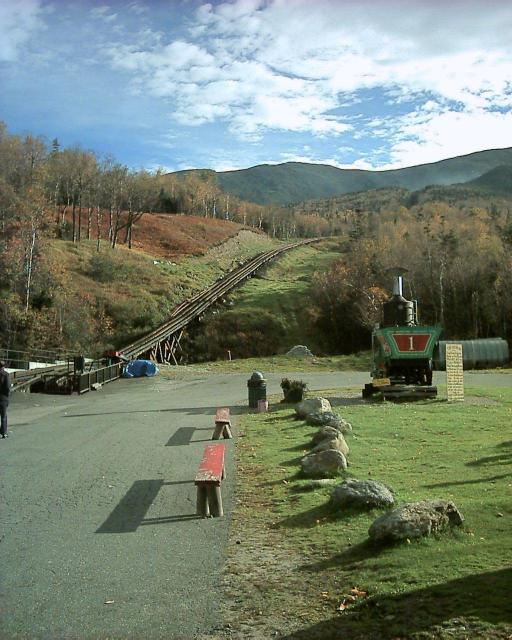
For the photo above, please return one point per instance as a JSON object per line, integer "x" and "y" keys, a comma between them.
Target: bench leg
{"x": 219, "y": 428}
{"x": 202, "y": 508}
{"x": 215, "y": 501}
{"x": 226, "y": 432}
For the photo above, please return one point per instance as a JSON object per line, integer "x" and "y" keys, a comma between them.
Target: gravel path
{"x": 99, "y": 535}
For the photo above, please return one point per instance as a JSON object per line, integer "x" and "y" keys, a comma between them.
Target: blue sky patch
{"x": 225, "y": 85}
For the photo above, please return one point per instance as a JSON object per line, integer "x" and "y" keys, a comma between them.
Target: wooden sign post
{"x": 454, "y": 373}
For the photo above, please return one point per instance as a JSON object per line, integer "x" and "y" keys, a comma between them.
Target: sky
{"x": 178, "y": 84}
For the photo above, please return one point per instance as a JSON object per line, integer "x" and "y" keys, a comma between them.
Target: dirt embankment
{"x": 176, "y": 236}
{"x": 239, "y": 247}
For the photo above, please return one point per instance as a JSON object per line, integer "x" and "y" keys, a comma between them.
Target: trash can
{"x": 257, "y": 386}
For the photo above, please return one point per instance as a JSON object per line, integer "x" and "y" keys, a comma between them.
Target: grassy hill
{"x": 91, "y": 301}
{"x": 271, "y": 312}
{"x": 294, "y": 181}
{"x": 109, "y": 298}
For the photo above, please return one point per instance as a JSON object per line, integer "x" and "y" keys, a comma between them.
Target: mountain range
{"x": 291, "y": 182}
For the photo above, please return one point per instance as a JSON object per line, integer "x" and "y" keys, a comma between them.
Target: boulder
{"x": 415, "y": 520}
{"x": 323, "y": 464}
{"x": 362, "y": 494}
{"x": 325, "y": 433}
{"x": 312, "y": 405}
{"x": 337, "y": 444}
{"x": 328, "y": 419}
{"x": 345, "y": 426}
{"x": 299, "y": 351}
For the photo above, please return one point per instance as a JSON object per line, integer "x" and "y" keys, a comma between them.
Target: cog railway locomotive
{"x": 402, "y": 350}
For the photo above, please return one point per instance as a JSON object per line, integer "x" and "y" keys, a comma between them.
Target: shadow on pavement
{"x": 193, "y": 411}
{"x": 183, "y": 436}
{"x": 130, "y": 511}
{"x": 167, "y": 519}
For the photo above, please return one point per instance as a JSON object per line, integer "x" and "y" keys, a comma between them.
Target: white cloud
{"x": 425, "y": 79}
{"x": 137, "y": 8}
{"x": 18, "y": 21}
{"x": 261, "y": 65}
{"x": 102, "y": 13}
{"x": 358, "y": 164}
{"x": 294, "y": 157}
{"x": 428, "y": 137}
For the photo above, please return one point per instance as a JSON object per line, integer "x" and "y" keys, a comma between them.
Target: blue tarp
{"x": 138, "y": 368}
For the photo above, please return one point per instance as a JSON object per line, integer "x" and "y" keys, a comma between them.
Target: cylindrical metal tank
{"x": 476, "y": 354}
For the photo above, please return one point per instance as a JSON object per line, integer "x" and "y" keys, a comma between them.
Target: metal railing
{"x": 83, "y": 382}
{"x": 64, "y": 378}
{"x": 22, "y": 379}
{"x": 17, "y": 359}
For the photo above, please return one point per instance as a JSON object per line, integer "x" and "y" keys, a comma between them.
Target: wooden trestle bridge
{"x": 162, "y": 344}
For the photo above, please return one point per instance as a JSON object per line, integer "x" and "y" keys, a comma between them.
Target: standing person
{"x": 5, "y": 389}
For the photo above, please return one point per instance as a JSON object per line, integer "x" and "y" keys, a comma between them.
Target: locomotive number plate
{"x": 407, "y": 342}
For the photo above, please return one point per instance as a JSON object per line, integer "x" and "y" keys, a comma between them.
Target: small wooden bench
{"x": 222, "y": 424}
{"x": 208, "y": 479}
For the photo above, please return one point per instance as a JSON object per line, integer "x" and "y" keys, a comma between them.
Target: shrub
{"x": 293, "y": 390}
{"x": 102, "y": 268}
{"x": 246, "y": 335}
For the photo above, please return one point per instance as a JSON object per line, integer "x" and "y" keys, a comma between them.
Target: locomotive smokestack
{"x": 398, "y": 286}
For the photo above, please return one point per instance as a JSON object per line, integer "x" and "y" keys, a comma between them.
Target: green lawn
{"x": 455, "y": 585}
{"x": 282, "y": 290}
{"x": 133, "y": 290}
{"x": 276, "y": 364}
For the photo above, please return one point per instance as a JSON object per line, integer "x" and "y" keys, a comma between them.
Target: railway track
{"x": 194, "y": 307}
{"x": 179, "y": 318}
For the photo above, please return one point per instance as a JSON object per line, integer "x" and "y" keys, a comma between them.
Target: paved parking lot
{"x": 99, "y": 535}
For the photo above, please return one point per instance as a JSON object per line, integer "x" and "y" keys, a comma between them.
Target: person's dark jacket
{"x": 5, "y": 385}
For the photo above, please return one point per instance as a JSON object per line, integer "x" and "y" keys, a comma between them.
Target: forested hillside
{"x": 292, "y": 182}
{"x": 90, "y": 250}
{"x": 497, "y": 180}
{"x": 458, "y": 258}
{"x": 454, "y": 242}
{"x": 458, "y": 262}
{"x": 84, "y": 261}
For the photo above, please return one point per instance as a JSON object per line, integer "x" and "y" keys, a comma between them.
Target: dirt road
{"x": 99, "y": 535}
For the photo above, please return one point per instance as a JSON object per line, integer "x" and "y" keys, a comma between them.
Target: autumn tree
{"x": 141, "y": 197}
